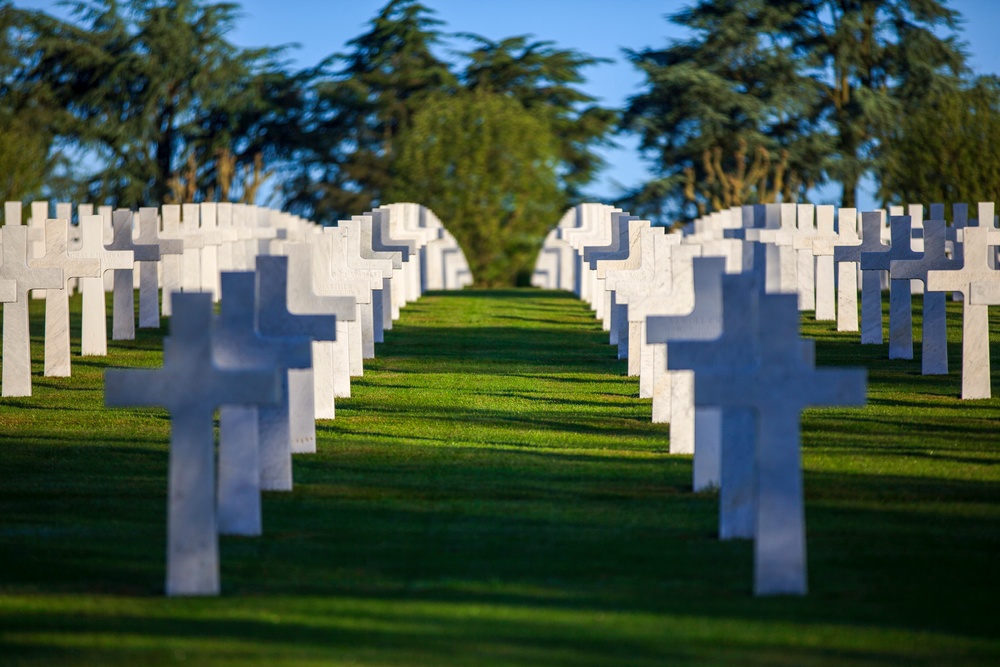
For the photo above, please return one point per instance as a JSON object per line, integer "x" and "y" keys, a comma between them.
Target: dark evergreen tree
{"x": 770, "y": 97}
{"x": 360, "y": 103}
{"x": 137, "y": 81}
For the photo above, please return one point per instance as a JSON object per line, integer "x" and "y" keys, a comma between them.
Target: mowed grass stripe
{"x": 494, "y": 493}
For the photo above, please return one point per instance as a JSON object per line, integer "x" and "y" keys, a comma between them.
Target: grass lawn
{"x": 495, "y": 494}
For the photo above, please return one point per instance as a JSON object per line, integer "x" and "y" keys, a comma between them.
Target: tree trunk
{"x": 850, "y": 196}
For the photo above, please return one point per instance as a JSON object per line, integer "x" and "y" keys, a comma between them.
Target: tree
{"x": 815, "y": 83}
{"x": 140, "y": 82}
{"x": 725, "y": 116}
{"x": 542, "y": 77}
{"x": 487, "y": 167}
{"x": 940, "y": 152}
{"x": 872, "y": 62}
{"x": 26, "y": 154}
{"x": 357, "y": 112}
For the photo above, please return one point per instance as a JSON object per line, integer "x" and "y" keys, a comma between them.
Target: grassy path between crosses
{"x": 495, "y": 494}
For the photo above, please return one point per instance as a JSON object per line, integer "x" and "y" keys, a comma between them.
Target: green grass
{"x": 495, "y": 494}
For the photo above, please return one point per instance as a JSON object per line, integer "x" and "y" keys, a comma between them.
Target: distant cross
{"x": 16, "y": 379}
{"x": 194, "y": 241}
{"x": 149, "y": 252}
{"x": 934, "y": 326}
{"x": 283, "y": 431}
{"x": 191, "y": 386}
{"x": 730, "y": 466}
{"x": 237, "y": 345}
{"x": 822, "y": 245}
{"x": 691, "y": 428}
{"x": 311, "y": 293}
{"x": 847, "y": 272}
{"x": 900, "y": 292}
{"x": 123, "y": 300}
{"x": 806, "y": 270}
{"x": 94, "y": 334}
{"x": 381, "y": 264}
{"x": 344, "y": 260}
{"x": 57, "y": 338}
{"x": 975, "y": 272}
{"x": 871, "y": 280}
{"x": 777, "y": 389}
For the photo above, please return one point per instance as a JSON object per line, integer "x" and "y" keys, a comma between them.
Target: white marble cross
{"x": 94, "y": 332}
{"x": 782, "y": 383}
{"x": 361, "y": 256}
{"x": 975, "y": 272}
{"x": 847, "y": 271}
{"x": 390, "y": 282}
{"x": 57, "y": 336}
{"x": 149, "y": 252}
{"x": 283, "y": 431}
{"x": 383, "y": 241}
{"x": 806, "y": 269}
{"x": 123, "y": 300}
{"x": 822, "y": 244}
{"x": 191, "y": 386}
{"x": 16, "y": 379}
{"x": 934, "y": 326}
{"x": 172, "y": 264}
{"x": 691, "y": 428}
{"x": 900, "y": 293}
{"x": 309, "y": 293}
{"x": 237, "y": 345}
{"x": 194, "y": 241}
{"x": 871, "y": 280}
{"x": 730, "y": 466}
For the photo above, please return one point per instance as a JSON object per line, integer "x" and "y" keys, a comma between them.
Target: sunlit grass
{"x": 494, "y": 493}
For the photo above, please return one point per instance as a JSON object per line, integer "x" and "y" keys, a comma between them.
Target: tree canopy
{"x": 768, "y": 98}
{"x": 487, "y": 165}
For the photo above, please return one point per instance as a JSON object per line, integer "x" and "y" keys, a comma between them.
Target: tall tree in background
{"x": 26, "y": 155}
{"x": 873, "y": 61}
{"x": 815, "y": 83}
{"x": 359, "y": 110}
{"x": 941, "y": 151}
{"x": 136, "y": 80}
{"x": 726, "y": 116}
{"x": 487, "y": 166}
{"x": 543, "y": 79}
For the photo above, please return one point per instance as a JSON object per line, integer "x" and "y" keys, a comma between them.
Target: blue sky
{"x": 597, "y": 27}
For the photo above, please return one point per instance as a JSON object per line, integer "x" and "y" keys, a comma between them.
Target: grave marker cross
{"x": 871, "y": 281}
{"x": 191, "y": 386}
{"x": 238, "y": 345}
{"x": 16, "y": 380}
{"x": 975, "y": 271}
{"x": 57, "y": 338}
{"x": 934, "y": 329}
{"x": 777, "y": 389}
{"x": 283, "y": 431}
{"x": 94, "y": 333}
{"x": 900, "y": 293}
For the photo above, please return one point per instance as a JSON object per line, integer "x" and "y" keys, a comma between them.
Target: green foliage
{"x": 940, "y": 151}
{"x": 357, "y": 111}
{"x": 494, "y": 494}
{"x": 541, "y": 77}
{"x": 26, "y": 155}
{"x": 487, "y": 166}
{"x": 142, "y": 85}
{"x": 809, "y": 85}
